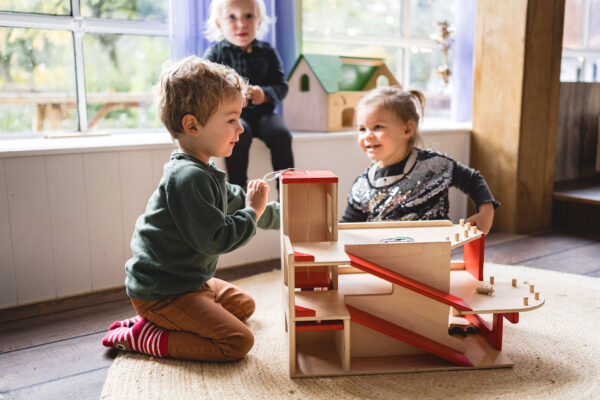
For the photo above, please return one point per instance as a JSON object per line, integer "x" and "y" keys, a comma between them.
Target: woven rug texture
{"x": 555, "y": 349}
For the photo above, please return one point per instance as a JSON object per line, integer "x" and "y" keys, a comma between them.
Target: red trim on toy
{"x": 309, "y": 280}
{"x": 492, "y": 334}
{"x": 309, "y": 326}
{"x": 296, "y": 176}
{"x": 304, "y": 312}
{"x": 303, "y": 257}
{"x": 414, "y": 339}
{"x": 408, "y": 283}
{"x": 473, "y": 253}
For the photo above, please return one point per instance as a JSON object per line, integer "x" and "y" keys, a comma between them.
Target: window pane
{"x": 425, "y": 15}
{"x": 425, "y": 76}
{"x": 56, "y": 7}
{"x": 37, "y": 80}
{"x": 351, "y": 17}
{"x": 570, "y": 69}
{"x": 120, "y": 71}
{"x": 143, "y": 10}
{"x": 595, "y": 25}
{"x": 572, "y": 34}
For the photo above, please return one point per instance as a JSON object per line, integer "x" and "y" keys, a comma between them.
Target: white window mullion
{"x": 80, "y": 80}
{"x": 79, "y": 66}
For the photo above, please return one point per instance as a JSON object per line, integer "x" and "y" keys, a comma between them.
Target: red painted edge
{"x": 408, "y": 283}
{"x": 414, "y": 339}
{"x": 304, "y": 312}
{"x": 512, "y": 317}
{"x": 492, "y": 334}
{"x": 308, "y": 176}
{"x": 473, "y": 254}
{"x": 303, "y": 257}
{"x": 307, "y": 326}
{"x": 314, "y": 279}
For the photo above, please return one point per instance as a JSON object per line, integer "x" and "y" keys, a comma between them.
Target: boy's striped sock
{"x": 143, "y": 337}
{"x": 126, "y": 323}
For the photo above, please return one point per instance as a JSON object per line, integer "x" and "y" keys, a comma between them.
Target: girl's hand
{"x": 484, "y": 218}
{"x": 256, "y": 95}
{"x": 256, "y": 196}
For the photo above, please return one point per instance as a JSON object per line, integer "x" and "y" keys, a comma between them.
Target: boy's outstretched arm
{"x": 483, "y": 218}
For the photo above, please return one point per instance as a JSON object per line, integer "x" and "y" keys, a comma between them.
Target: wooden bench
{"x": 577, "y": 205}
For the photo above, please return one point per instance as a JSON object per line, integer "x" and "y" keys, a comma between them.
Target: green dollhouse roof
{"x": 335, "y": 75}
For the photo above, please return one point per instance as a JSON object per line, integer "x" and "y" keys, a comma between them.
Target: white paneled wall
{"x": 66, "y": 220}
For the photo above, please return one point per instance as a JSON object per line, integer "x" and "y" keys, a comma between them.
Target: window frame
{"x": 403, "y": 43}
{"x": 584, "y": 53}
{"x": 78, "y": 26}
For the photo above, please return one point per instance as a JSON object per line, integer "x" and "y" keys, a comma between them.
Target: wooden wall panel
{"x": 515, "y": 103}
{"x": 105, "y": 218}
{"x": 8, "y": 283}
{"x": 136, "y": 185}
{"x": 577, "y": 137}
{"x": 68, "y": 215}
{"x": 539, "y": 115}
{"x": 31, "y": 231}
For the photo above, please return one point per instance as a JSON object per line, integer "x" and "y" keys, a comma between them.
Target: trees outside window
{"x": 79, "y": 66}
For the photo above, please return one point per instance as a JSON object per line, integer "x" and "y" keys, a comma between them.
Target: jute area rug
{"x": 556, "y": 351}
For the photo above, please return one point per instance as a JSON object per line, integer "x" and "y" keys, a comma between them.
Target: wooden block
{"x": 531, "y": 288}
{"x": 491, "y": 280}
{"x": 466, "y": 233}
{"x": 462, "y": 222}
{"x": 525, "y": 301}
{"x": 456, "y": 237}
{"x": 514, "y": 282}
{"x": 536, "y": 295}
{"x": 468, "y": 225}
{"x": 474, "y": 229}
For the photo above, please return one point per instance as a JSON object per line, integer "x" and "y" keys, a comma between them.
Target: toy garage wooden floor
{"x": 53, "y": 351}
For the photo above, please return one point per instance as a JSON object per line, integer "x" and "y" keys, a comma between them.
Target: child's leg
{"x": 237, "y": 162}
{"x": 204, "y": 325}
{"x": 271, "y": 128}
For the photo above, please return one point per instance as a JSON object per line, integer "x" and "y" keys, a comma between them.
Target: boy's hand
{"x": 256, "y": 95}
{"x": 256, "y": 196}
{"x": 484, "y": 218}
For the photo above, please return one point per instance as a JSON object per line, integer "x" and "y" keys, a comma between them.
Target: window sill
{"x": 161, "y": 140}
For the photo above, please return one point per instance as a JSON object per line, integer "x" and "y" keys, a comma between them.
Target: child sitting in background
{"x": 406, "y": 182}
{"x": 236, "y": 24}
{"x": 193, "y": 216}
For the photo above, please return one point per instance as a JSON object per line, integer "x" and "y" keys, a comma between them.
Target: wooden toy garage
{"x": 369, "y": 298}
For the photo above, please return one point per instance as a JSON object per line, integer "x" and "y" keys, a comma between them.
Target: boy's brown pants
{"x": 206, "y": 324}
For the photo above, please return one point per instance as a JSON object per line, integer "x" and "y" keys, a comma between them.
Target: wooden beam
{"x": 518, "y": 46}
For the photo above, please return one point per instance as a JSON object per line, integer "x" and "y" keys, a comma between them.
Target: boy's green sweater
{"x": 193, "y": 216}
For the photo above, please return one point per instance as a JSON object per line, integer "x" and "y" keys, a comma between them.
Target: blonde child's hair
{"x": 407, "y": 105}
{"x": 194, "y": 86}
{"x": 216, "y": 9}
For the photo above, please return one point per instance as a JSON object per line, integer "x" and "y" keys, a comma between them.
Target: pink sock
{"x": 126, "y": 323}
{"x": 143, "y": 337}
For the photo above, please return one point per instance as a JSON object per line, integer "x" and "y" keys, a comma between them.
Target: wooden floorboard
{"x": 54, "y": 351}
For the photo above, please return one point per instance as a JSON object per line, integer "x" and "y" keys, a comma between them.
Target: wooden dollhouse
{"x": 369, "y": 298}
{"x": 328, "y": 87}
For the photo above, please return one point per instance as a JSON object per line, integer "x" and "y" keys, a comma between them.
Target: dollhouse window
{"x": 348, "y": 117}
{"x": 304, "y": 83}
{"x": 382, "y": 81}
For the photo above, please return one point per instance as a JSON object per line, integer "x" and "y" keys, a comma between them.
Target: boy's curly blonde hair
{"x": 406, "y": 105}
{"x": 194, "y": 86}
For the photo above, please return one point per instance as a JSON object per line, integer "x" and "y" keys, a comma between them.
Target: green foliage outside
{"x": 35, "y": 61}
